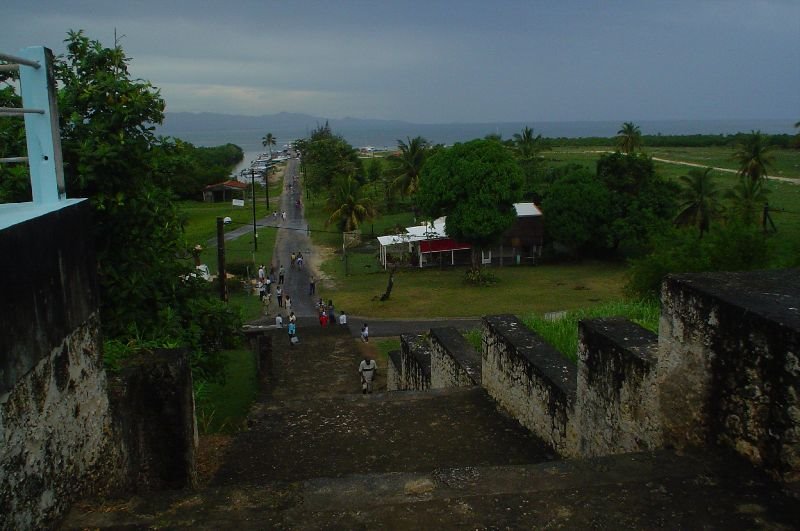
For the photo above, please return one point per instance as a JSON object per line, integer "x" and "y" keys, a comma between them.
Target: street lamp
{"x": 253, "y": 185}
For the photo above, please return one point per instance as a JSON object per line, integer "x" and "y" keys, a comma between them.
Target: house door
{"x": 486, "y": 257}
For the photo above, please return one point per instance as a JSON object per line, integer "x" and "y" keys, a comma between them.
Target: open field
{"x": 440, "y": 293}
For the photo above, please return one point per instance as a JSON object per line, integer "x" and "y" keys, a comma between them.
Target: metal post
{"x": 253, "y": 185}
{"x": 38, "y": 90}
{"x": 221, "y": 276}
{"x": 266, "y": 187}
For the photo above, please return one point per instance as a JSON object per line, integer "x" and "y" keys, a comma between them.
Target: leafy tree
{"x": 576, "y": 211}
{"x": 527, "y": 146}
{"x": 268, "y": 141}
{"x": 374, "y": 170}
{"x": 349, "y": 208}
{"x": 731, "y": 247}
{"x": 406, "y": 166}
{"x": 639, "y": 199}
{"x": 327, "y": 156}
{"x": 753, "y": 156}
{"x": 629, "y": 138}
{"x": 110, "y": 156}
{"x": 475, "y": 185}
{"x": 528, "y": 149}
{"x": 699, "y": 200}
{"x": 746, "y": 200}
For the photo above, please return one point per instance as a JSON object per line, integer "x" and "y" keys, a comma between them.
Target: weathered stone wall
{"x": 415, "y": 363}
{"x": 531, "y": 380}
{"x": 728, "y": 369}
{"x": 62, "y": 436}
{"x": 393, "y": 371}
{"x": 617, "y": 399}
{"x": 454, "y": 363}
{"x": 154, "y": 421}
{"x": 54, "y": 411}
{"x": 54, "y": 427}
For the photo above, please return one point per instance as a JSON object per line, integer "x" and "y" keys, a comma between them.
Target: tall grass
{"x": 562, "y": 332}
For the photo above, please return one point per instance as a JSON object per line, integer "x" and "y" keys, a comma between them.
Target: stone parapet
{"x": 415, "y": 363}
{"x": 531, "y": 380}
{"x": 454, "y": 363}
{"x": 617, "y": 398}
{"x": 728, "y": 369}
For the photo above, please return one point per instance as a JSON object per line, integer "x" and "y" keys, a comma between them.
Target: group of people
{"x": 264, "y": 284}
{"x": 297, "y": 260}
{"x": 327, "y": 314}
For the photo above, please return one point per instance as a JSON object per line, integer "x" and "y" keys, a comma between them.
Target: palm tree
{"x": 528, "y": 146}
{"x": 407, "y": 165}
{"x": 747, "y": 199}
{"x": 699, "y": 198}
{"x": 348, "y": 208}
{"x": 268, "y": 141}
{"x": 629, "y": 138}
{"x": 753, "y": 156}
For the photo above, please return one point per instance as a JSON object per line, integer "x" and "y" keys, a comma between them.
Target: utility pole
{"x": 221, "y": 275}
{"x": 266, "y": 186}
{"x": 253, "y": 186}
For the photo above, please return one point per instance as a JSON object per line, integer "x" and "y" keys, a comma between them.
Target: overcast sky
{"x": 451, "y": 61}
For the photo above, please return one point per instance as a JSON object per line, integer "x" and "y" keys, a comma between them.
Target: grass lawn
{"x": 223, "y": 407}
{"x": 443, "y": 293}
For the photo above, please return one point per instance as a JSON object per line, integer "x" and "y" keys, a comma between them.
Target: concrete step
{"x": 296, "y": 439}
{"x": 635, "y": 491}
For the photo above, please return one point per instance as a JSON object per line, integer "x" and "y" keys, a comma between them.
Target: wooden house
{"x": 224, "y": 191}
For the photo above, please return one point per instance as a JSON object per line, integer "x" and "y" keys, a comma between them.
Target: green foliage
{"x": 562, "y": 333}
{"x": 577, "y": 211}
{"x": 405, "y": 167}
{"x": 327, "y": 156}
{"x": 480, "y": 277}
{"x": 349, "y": 209}
{"x": 639, "y": 201}
{"x": 374, "y": 169}
{"x": 753, "y": 156}
{"x": 15, "y": 183}
{"x": 629, "y": 138}
{"x": 112, "y": 157}
{"x": 700, "y": 200}
{"x": 731, "y": 247}
{"x": 475, "y": 185}
{"x": 188, "y": 169}
{"x": 746, "y": 200}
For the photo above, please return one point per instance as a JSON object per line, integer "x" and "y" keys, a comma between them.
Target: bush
{"x": 240, "y": 268}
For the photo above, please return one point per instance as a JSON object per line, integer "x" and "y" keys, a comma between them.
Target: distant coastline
{"x": 246, "y": 131}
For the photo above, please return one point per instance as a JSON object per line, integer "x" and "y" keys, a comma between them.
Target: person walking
{"x": 279, "y": 294}
{"x": 287, "y": 302}
{"x": 331, "y": 313}
{"x": 293, "y": 259}
{"x": 367, "y": 369}
{"x": 323, "y": 319}
{"x": 281, "y": 274}
{"x": 292, "y": 330}
{"x": 312, "y": 285}
{"x": 262, "y": 273}
{"x": 279, "y": 321}
{"x": 342, "y": 319}
{"x": 365, "y": 333}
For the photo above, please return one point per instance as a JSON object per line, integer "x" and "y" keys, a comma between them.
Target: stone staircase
{"x": 320, "y": 455}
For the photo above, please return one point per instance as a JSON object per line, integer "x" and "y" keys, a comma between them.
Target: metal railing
{"x": 40, "y": 112}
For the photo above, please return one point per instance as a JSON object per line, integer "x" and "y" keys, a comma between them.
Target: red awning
{"x": 445, "y": 244}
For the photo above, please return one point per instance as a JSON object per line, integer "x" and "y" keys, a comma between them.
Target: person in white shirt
{"x": 342, "y": 318}
{"x": 367, "y": 369}
{"x": 279, "y": 321}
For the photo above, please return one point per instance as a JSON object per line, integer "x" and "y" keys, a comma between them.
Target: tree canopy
{"x": 475, "y": 185}
{"x": 629, "y": 138}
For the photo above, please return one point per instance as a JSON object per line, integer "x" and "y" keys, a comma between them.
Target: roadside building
{"x": 224, "y": 191}
{"x": 428, "y": 244}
